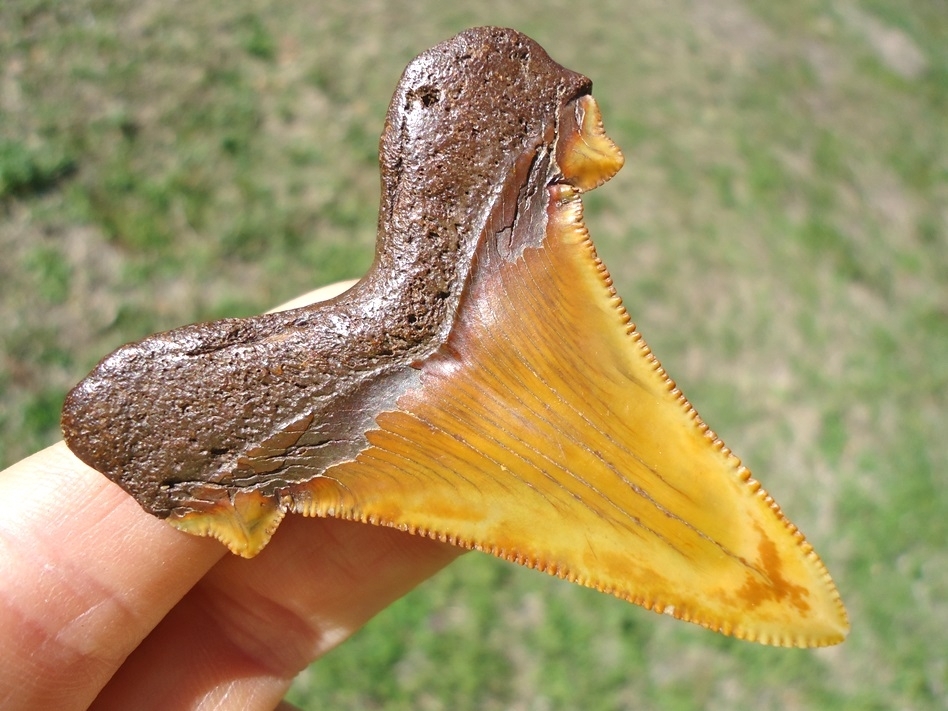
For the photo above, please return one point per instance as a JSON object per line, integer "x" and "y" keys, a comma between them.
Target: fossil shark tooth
{"x": 482, "y": 384}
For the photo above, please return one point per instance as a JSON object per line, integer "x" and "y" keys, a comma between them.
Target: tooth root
{"x": 546, "y": 433}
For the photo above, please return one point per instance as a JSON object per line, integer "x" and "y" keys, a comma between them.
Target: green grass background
{"x": 778, "y": 234}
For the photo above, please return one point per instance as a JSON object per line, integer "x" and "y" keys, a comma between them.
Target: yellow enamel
{"x": 588, "y": 157}
{"x": 546, "y": 433}
{"x": 243, "y": 521}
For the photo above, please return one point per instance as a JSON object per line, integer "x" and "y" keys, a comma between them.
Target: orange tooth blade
{"x": 546, "y": 433}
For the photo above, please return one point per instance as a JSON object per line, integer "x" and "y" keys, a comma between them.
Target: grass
{"x": 779, "y": 234}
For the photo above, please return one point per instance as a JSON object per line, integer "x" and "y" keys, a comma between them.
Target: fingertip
{"x": 321, "y": 294}
{"x": 87, "y": 575}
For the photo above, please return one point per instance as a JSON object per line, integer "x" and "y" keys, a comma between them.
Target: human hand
{"x": 106, "y": 606}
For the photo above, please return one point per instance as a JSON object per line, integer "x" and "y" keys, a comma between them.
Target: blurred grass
{"x": 779, "y": 234}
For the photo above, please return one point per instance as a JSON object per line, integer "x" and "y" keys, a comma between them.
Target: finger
{"x": 242, "y": 634}
{"x": 86, "y": 574}
{"x": 321, "y": 294}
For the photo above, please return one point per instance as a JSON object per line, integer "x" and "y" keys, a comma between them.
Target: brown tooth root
{"x": 481, "y": 385}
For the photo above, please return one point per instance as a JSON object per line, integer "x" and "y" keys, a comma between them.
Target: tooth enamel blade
{"x": 546, "y": 433}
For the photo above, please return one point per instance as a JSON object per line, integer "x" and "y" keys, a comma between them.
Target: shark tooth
{"x": 481, "y": 385}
